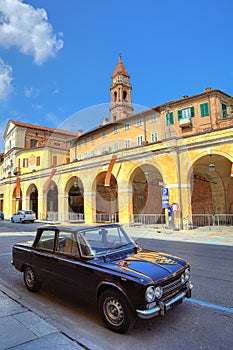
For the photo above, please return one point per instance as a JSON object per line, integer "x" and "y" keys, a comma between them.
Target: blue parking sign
{"x": 165, "y": 197}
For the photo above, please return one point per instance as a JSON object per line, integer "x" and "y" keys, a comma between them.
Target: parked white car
{"x": 23, "y": 215}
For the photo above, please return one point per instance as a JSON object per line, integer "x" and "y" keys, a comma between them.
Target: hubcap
{"x": 113, "y": 311}
{"x": 30, "y": 278}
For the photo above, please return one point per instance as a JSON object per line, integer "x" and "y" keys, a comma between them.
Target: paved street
{"x": 204, "y": 322}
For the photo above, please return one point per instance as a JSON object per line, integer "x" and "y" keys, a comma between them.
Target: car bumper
{"x": 163, "y": 307}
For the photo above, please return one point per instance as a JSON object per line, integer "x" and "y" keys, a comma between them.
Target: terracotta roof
{"x": 45, "y": 128}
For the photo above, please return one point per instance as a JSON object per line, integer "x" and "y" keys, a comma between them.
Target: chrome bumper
{"x": 163, "y": 307}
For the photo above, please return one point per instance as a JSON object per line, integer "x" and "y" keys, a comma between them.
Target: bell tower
{"x": 121, "y": 104}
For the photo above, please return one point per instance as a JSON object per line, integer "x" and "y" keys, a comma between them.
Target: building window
{"x": 153, "y": 118}
{"x": 204, "y": 109}
{"x": 224, "y": 111}
{"x": 85, "y": 141}
{"x": 116, "y": 146}
{"x": 79, "y": 157}
{"x": 109, "y": 149}
{"x": 139, "y": 121}
{"x": 54, "y": 162}
{"x": 169, "y": 118}
{"x": 186, "y": 113}
{"x": 127, "y": 126}
{"x": 127, "y": 143}
{"x": 33, "y": 143}
{"x": 104, "y": 149}
{"x": 79, "y": 142}
{"x": 139, "y": 140}
{"x": 92, "y": 154}
{"x": 115, "y": 129}
{"x": 104, "y": 133}
{"x": 37, "y": 161}
{"x": 25, "y": 162}
{"x": 154, "y": 137}
{"x": 85, "y": 155}
{"x": 92, "y": 138}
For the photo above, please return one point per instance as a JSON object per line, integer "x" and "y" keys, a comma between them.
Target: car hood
{"x": 147, "y": 265}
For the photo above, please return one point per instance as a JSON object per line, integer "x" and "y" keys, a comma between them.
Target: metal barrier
{"x": 199, "y": 220}
{"x": 107, "y": 217}
{"x": 52, "y": 216}
{"x": 147, "y": 219}
{"x": 76, "y": 217}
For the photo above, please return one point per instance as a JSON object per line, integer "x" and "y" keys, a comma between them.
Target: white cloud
{"x": 31, "y": 92}
{"x": 5, "y": 79}
{"x": 27, "y": 28}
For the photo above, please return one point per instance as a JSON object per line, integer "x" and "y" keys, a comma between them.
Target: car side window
{"x": 47, "y": 240}
{"x": 67, "y": 243}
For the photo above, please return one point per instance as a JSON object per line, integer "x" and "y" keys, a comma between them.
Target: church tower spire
{"x": 121, "y": 104}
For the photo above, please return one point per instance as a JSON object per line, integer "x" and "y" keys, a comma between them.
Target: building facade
{"x": 117, "y": 171}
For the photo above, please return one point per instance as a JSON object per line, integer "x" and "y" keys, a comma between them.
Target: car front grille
{"x": 171, "y": 287}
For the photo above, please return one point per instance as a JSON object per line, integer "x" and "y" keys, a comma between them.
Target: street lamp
{"x": 211, "y": 165}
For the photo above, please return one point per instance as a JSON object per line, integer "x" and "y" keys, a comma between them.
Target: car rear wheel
{"x": 30, "y": 280}
{"x": 115, "y": 311}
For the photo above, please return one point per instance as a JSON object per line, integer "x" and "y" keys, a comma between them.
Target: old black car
{"x": 104, "y": 263}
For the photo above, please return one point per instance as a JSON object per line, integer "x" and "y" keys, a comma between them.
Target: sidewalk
{"x": 222, "y": 235}
{"x": 22, "y": 329}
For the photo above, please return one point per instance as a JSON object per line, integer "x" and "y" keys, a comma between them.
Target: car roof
{"x": 76, "y": 228}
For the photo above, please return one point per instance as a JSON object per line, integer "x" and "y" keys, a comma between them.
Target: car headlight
{"x": 152, "y": 293}
{"x": 187, "y": 274}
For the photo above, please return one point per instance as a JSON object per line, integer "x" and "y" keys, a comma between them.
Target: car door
{"x": 67, "y": 268}
{"x": 43, "y": 254}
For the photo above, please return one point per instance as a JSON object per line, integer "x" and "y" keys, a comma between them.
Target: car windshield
{"x": 103, "y": 240}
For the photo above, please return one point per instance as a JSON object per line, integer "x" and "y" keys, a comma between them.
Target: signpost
{"x": 165, "y": 197}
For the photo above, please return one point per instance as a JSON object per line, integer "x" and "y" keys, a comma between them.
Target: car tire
{"x": 30, "y": 280}
{"x": 12, "y": 220}
{"x": 115, "y": 311}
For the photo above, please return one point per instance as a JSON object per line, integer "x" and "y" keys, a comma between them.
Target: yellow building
{"x": 124, "y": 169}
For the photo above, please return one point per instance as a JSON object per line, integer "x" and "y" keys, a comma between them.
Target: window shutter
{"x": 192, "y": 111}
{"x": 179, "y": 114}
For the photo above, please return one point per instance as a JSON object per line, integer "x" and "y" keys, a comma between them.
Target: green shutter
{"x": 192, "y": 111}
{"x": 224, "y": 111}
{"x": 169, "y": 118}
{"x": 179, "y": 114}
{"x": 204, "y": 109}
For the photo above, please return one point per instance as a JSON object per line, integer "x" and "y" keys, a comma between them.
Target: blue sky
{"x": 57, "y": 57}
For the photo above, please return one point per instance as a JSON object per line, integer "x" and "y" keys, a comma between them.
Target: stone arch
{"x": 146, "y": 181}
{"x": 52, "y": 202}
{"x": 75, "y": 196}
{"x": 210, "y": 189}
{"x": 32, "y": 195}
{"x": 16, "y": 201}
{"x": 106, "y": 198}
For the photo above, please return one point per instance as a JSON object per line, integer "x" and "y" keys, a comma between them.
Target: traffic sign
{"x": 165, "y": 197}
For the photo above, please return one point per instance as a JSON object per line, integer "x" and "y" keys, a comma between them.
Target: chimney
{"x": 105, "y": 121}
{"x": 185, "y": 96}
{"x": 208, "y": 89}
{"x": 80, "y": 132}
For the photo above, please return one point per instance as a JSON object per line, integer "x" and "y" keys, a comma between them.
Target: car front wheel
{"x": 115, "y": 311}
{"x": 30, "y": 280}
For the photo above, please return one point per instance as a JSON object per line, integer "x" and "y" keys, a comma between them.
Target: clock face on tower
{"x": 125, "y": 80}
{"x": 114, "y": 80}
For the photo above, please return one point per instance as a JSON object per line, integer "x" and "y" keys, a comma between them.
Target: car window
{"x": 47, "y": 240}
{"x": 100, "y": 240}
{"x": 67, "y": 243}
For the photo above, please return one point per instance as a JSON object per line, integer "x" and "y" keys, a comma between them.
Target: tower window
{"x": 125, "y": 99}
{"x": 115, "y": 96}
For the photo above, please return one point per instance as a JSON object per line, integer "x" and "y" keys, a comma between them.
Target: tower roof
{"x": 120, "y": 68}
